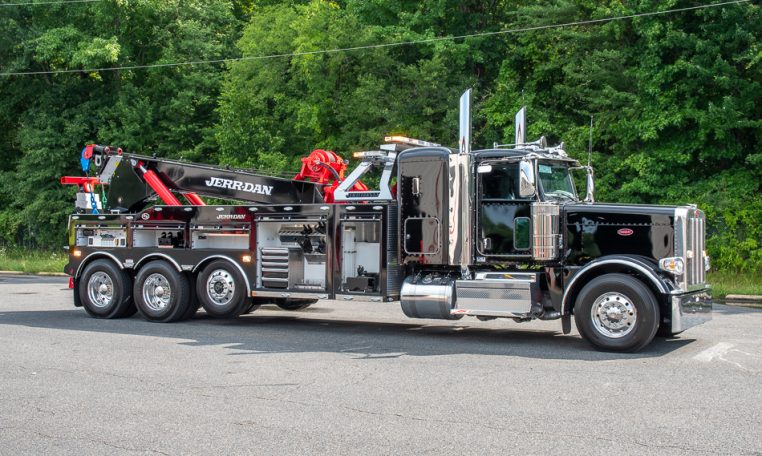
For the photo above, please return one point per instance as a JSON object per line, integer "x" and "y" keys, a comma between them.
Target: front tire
{"x": 222, "y": 291}
{"x": 105, "y": 290}
{"x": 617, "y": 312}
{"x": 161, "y": 293}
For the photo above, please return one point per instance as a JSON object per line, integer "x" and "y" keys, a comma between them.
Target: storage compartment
{"x": 101, "y": 237}
{"x": 168, "y": 237}
{"x": 361, "y": 256}
{"x": 292, "y": 254}
{"x": 274, "y": 267}
{"x": 230, "y": 238}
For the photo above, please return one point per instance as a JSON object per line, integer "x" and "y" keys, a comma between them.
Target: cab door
{"x": 503, "y": 214}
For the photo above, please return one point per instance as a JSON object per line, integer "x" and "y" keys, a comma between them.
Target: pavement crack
{"x": 118, "y": 447}
{"x": 42, "y": 410}
{"x": 86, "y": 439}
{"x": 244, "y": 385}
{"x": 646, "y": 445}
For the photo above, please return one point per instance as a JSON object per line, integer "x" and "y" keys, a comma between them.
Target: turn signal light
{"x": 674, "y": 265}
{"x": 246, "y": 258}
{"x": 76, "y": 253}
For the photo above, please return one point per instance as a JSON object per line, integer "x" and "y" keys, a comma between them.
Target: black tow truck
{"x": 493, "y": 233}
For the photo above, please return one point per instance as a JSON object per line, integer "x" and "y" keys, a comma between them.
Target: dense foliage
{"x": 675, "y": 97}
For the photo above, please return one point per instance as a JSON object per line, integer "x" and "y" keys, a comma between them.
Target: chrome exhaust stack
{"x": 461, "y": 193}
{"x": 464, "y": 138}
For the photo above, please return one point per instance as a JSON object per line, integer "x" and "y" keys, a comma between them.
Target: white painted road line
{"x": 715, "y": 351}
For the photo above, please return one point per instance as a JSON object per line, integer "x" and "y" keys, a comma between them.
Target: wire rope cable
{"x": 381, "y": 45}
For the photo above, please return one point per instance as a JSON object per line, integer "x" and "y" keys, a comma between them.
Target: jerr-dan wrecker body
{"x": 493, "y": 233}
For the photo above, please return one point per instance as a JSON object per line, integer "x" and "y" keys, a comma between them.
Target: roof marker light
{"x": 410, "y": 141}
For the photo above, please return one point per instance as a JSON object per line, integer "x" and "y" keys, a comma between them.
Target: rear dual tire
{"x": 162, "y": 294}
{"x": 222, "y": 291}
{"x": 105, "y": 291}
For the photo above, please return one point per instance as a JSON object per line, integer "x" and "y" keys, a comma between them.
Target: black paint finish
{"x": 128, "y": 191}
{"x": 496, "y": 222}
{"x": 595, "y": 230}
{"x": 182, "y": 220}
{"x": 423, "y": 216}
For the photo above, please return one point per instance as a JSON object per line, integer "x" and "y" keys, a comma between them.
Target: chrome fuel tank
{"x": 429, "y": 297}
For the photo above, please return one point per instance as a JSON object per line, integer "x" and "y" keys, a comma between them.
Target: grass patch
{"x": 744, "y": 283}
{"x": 32, "y": 261}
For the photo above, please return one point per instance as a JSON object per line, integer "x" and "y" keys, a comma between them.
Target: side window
{"x": 422, "y": 235}
{"x": 501, "y": 183}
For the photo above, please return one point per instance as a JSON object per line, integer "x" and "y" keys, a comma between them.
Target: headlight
{"x": 674, "y": 265}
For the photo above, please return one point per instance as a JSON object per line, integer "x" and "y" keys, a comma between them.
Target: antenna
{"x": 590, "y": 144}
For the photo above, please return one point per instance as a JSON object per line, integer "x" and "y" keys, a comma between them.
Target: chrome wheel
{"x": 157, "y": 292}
{"x": 100, "y": 290}
{"x": 220, "y": 287}
{"x": 614, "y": 315}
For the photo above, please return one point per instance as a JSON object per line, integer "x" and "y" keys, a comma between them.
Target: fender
{"x": 613, "y": 263}
{"x": 158, "y": 255}
{"x": 93, "y": 256}
{"x": 229, "y": 260}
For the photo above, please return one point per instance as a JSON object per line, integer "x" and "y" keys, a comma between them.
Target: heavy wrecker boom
{"x": 134, "y": 180}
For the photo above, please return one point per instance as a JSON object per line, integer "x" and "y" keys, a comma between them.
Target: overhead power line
{"x": 382, "y": 45}
{"x": 48, "y": 3}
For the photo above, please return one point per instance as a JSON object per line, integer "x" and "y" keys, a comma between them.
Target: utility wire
{"x": 49, "y": 3}
{"x": 382, "y": 45}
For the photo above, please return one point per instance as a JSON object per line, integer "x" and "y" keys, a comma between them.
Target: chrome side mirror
{"x": 526, "y": 179}
{"x": 590, "y": 184}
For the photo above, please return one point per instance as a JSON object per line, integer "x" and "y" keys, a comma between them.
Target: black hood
{"x": 600, "y": 229}
{"x": 620, "y": 209}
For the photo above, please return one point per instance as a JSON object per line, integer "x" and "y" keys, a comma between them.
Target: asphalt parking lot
{"x": 360, "y": 378}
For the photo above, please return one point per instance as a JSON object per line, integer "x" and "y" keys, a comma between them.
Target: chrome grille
{"x": 690, "y": 232}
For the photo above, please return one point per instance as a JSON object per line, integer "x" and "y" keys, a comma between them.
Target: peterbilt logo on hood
{"x": 242, "y": 186}
{"x": 624, "y": 231}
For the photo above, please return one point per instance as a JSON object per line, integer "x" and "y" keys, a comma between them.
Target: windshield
{"x": 556, "y": 181}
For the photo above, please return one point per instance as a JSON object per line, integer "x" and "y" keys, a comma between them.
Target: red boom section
{"x": 194, "y": 199}
{"x": 325, "y": 167}
{"x": 158, "y": 186}
{"x": 86, "y": 183}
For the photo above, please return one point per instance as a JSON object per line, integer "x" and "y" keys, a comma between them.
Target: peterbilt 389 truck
{"x": 449, "y": 233}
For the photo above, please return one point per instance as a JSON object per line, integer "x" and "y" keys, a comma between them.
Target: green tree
{"x": 48, "y": 118}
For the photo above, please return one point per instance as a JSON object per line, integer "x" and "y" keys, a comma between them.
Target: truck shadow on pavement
{"x": 258, "y": 334}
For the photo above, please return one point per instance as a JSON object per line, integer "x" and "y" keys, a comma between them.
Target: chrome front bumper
{"x": 691, "y": 309}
